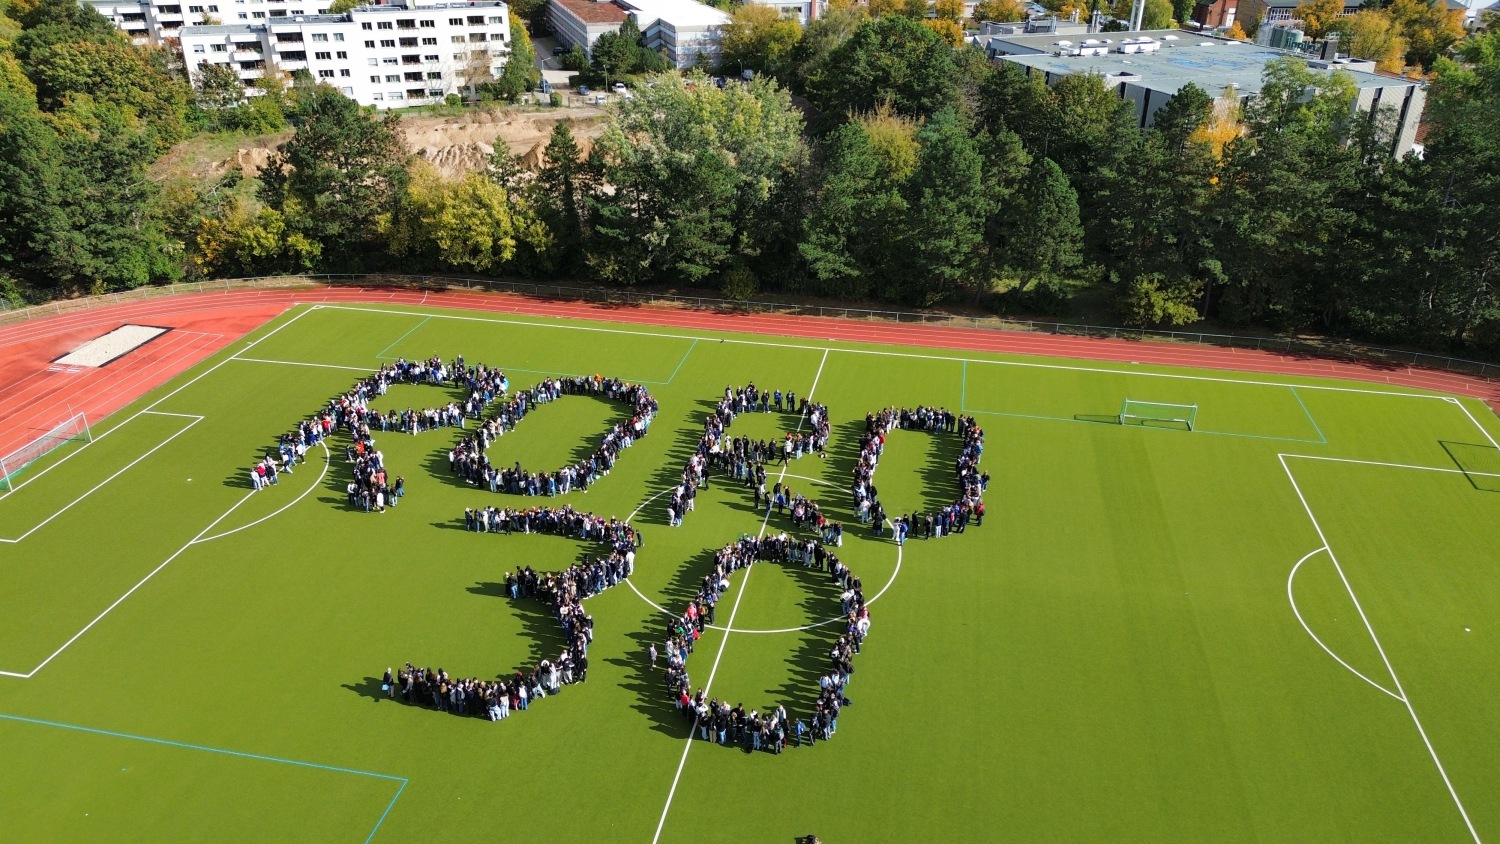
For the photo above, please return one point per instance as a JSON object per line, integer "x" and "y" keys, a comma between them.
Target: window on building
{"x": 457, "y": 39}
{"x": 408, "y": 42}
{"x": 388, "y": 42}
{"x": 338, "y": 36}
{"x": 343, "y": 54}
{"x": 242, "y": 16}
{"x": 197, "y": 48}
{"x": 478, "y": 37}
{"x": 390, "y": 60}
{"x": 323, "y": 56}
{"x": 429, "y": 42}
{"x": 374, "y": 62}
{"x": 377, "y": 97}
{"x": 348, "y": 92}
{"x": 375, "y": 79}
{"x": 369, "y": 45}
{"x": 434, "y": 92}
{"x": 366, "y": 25}
{"x": 325, "y": 74}
{"x": 345, "y": 72}
{"x": 385, "y": 25}
{"x": 497, "y": 19}
{"x": 258, "y": 15}
{"x": 476, "y": 20}
{"x": 431, "y": 59}
{"x": 198, "y": 10}
{"x": 213, "y": 10}
{"x": 393, "y": 77}
{"x": 396, "y": 95}
{"x": 455, "y": 21}
{"x": 320, "y": 36}
{"x": 220, "y": 48}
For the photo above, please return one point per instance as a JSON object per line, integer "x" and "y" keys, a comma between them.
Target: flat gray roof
{"x": 1181, "y": 60}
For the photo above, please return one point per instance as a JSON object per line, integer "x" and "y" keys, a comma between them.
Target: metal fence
{"x": 1312, "y": 347}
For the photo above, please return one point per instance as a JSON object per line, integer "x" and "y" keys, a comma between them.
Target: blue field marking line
{"x": 691, "y": 346}
{"x": 381, "y": 354}
{"x": 238, "y": 753}
{"x": 1298, "y": 396}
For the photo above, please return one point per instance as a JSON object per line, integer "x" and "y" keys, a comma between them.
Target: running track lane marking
{"x": 219, "y": 750}
{"x": 744, "y": 582}
{"x": 43, "y": 523}
{"x": 1405, "y": 699}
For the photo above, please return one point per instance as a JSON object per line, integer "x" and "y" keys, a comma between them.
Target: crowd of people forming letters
{"x": 742, "y": 460}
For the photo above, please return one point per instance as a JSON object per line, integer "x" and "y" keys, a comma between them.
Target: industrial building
{"x": 1149, "y": 68}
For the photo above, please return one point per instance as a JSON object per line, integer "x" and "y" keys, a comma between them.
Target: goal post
{"x": 1134, "y": 412}
{"x": 75, "y": 427}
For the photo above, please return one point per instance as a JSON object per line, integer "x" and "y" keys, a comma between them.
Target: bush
{"x": 555, "y": 100}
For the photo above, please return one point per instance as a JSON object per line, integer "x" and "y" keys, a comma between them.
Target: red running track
{"x": 33, "y": 399}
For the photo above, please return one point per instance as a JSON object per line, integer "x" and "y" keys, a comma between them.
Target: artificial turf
{"x": 1113, "y": 655}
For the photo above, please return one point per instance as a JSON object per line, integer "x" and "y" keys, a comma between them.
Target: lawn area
{"x": 1275, "y": 626}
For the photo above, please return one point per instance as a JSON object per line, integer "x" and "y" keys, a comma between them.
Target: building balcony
{"x": 254, "y": 73}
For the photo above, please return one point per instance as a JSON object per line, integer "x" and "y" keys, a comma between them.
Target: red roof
{"x": 591, "y": 12}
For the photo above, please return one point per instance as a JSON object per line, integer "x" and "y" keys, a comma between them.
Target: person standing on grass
{"x": 652, "y": 654}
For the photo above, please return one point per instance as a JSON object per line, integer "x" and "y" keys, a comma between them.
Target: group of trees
{"x": 912, "y": 172}
{"x": 1396, "y": 34}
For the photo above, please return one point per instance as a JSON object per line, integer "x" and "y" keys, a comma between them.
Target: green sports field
{"x": 1278, "y": 626}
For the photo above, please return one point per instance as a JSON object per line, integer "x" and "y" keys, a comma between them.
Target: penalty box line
{"x": 66, "y": 507}
{"x": 1369, "y": 628}
{"x": 190, "y": 543}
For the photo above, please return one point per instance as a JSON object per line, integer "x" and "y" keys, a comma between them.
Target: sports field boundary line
{"x": 142, "y": 582}
{"x": 224, "y": 752}
{"x": 734, "y": 610}
{"x": 327, "y": 464}
{"x": 365, "y": 369}
{"x": 883, "y": 353}
{"x": 1292, "y": 598}
{"x": 66, "y": 507}
{"x": 1369, "y": 628}
{"x": 663, "y": 610}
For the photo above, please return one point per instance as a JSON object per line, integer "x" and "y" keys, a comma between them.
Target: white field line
{"x": 327, "y": 462}
{"x": 1405, "y": 699}
{"x": 744, "y": 582}
{"x": 814, "y": 625}
{"x": 1023, "y": 364}
{"x": 43, "y": 523}
{"x": 142, "y": 582}
{"x": 149, "y": 408}
{"x": 1390, "y": 465}
{"x": 1293, "y": 599}
{"x": 365, "y": 369}
{"x": 1481, "y": 428}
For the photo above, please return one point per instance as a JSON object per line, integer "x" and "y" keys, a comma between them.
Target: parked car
{"x": 619, "y": 87}
{"x": 559, "y": 51}
{"x": 583, "y": 90}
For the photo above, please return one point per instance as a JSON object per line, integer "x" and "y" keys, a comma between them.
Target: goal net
{"x": 1158, "y": 413}
{"x": 75, "y": 427}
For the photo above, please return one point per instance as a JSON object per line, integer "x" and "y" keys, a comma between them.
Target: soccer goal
{"x": 75, "y": 427}
{"x": 1158, "y": 413}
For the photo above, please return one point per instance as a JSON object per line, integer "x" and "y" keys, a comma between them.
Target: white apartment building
{"x": 385, "y": 56}
{"x": 687, "y": 31}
